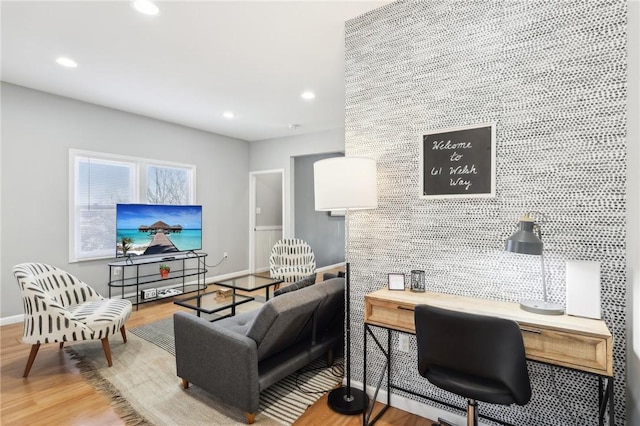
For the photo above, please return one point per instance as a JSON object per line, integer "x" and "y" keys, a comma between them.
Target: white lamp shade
{"x": 345, "y": 183}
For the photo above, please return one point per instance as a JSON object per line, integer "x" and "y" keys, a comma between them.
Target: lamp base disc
{"x": 339, "y": 402}
{"x": 541, "y": 307}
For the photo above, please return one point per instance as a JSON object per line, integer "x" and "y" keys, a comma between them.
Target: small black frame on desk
{"x": 396, "y": 281}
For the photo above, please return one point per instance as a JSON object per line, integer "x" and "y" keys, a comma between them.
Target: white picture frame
{"x": 396, "y": 281}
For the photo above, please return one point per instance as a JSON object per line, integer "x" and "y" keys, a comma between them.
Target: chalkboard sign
{"x": 458, "y": 163}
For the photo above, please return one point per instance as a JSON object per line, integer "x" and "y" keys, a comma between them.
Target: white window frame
{"x": 139, "y": 193}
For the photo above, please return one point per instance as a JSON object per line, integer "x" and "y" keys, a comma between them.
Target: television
{"x": 157, "y": 229}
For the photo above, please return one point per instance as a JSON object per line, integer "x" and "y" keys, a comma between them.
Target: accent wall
{"x": 552, "y": 77}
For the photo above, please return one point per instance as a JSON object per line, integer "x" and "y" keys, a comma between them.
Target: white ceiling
{"x": 190, "y": 63}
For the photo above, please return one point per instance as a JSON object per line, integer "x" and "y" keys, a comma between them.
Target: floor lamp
{"x": 346, "y": 183}
{"x": 528, "y": 240}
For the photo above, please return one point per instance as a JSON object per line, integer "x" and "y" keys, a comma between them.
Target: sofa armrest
{"x": 220, "y": 361}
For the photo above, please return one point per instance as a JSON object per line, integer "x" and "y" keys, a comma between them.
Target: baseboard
{"x": 12, "y": 319}
{"x": 412, "y": 406}
{"x": 329, "y": 267}
{"x": 223, "y": 277}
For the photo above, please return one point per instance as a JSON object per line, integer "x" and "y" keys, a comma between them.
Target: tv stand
{"x": 139, "y": 279}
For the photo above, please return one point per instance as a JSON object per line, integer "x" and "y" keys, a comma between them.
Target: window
{"x": 100, "y": 181}
{"x": 168, "y": 185}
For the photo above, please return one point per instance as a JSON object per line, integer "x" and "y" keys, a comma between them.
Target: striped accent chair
{"x": 59, "y": 308}
{"x": 291, "y": 260}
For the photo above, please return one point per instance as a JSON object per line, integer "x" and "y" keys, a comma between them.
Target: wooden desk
{"x": 577, "y": 343}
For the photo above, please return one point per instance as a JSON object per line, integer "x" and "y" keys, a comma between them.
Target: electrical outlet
{"x": 403, "y": 343}
{"x": 117, "y": 271}
{"x": 225, "y": 255}
{"x": 148, "y": 293}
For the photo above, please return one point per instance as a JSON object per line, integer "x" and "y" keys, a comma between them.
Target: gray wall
{"x": 324, "y": 233}
{"x": 633, "y": 213}
{"x": 554, "y": 82}
{"x": 37, "y": 131}
{"x": 280, "y": 153}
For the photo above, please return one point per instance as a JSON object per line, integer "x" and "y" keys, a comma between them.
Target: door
{"x": 266, "y": 210}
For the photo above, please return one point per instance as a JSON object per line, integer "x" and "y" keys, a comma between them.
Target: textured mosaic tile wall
{"x": 552, "y": 76}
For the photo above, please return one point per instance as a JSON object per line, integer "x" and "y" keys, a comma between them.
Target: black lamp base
{"x": 339, "y": 402}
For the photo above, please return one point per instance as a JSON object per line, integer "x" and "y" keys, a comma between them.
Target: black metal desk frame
{"x": 605, "y": 394}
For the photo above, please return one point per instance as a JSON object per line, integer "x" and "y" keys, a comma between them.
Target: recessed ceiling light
{"x": 66, "y": 62}
{"x": 146, "y": 6}
{"x": 228, "y": 114}
{"x": 308, "y": 95}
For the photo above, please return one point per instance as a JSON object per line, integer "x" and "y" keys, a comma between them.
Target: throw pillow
{"x": 305, "y": 282}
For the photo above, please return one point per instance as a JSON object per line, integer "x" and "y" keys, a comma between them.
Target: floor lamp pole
{"x": 346, "y": 400}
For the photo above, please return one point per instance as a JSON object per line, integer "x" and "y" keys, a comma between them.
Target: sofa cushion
{"x": 282, "y": 319}
{"x": 330, "y": 312}
{"x": 240, "y": 323}
{"x": 305, "y": 282}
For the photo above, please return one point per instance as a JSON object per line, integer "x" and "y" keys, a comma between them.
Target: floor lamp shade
{"x": 345, "y": 183}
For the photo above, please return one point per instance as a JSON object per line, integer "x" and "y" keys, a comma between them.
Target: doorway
{"x": 266, "y": 216}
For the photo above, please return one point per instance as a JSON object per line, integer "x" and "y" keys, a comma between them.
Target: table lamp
{"x": 528, "y": 240}
{"x": 346, "y": 183}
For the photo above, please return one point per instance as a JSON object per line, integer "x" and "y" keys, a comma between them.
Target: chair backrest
{"x": 475, "y": 356}
{"x": 42, "y": 280}
{"x": 292, "y": 252}
{"x": 47, "y": 293}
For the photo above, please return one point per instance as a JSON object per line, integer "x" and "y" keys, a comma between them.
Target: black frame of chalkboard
{"x": 489, "y": 193}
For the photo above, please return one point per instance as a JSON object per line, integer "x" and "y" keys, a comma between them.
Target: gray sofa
{"x": 238, "y": 357}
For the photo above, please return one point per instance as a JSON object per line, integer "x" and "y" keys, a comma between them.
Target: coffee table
{"x": 211, "y": 303}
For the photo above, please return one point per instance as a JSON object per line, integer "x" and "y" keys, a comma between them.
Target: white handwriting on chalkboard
{"x": 455, "y": 156}
{"x": 436, "y": 171}
{"x": 460, "y": 182}
{"x": 463, "y": 170}
{"x": 448, "y": 145}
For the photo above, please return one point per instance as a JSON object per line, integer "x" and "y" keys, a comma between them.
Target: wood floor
{"x": 55, "y": 393}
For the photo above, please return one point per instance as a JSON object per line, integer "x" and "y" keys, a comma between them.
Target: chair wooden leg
{"x": 251, "y": 417}
{"x": 32, "y": 357}
{"x": 124, "y": 334}
{"x": 107, "y": 350}
{"x": 185, "y": 384}
{"x": 61, "y": 345}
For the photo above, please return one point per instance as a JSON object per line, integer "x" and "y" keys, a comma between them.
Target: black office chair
{"x": 478, "y": 357}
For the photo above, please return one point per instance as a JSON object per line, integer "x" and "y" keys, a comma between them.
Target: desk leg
{"x": 605, "y": 397}
{"x": 267, "y": 299}
{"x": 366, "y": 413}
{"x": 610, "y": 393}
{"x": 389, "y": 352}
{"x": 366, "y": 416}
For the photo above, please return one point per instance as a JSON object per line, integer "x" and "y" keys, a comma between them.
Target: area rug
{"x": 144, "y": 389}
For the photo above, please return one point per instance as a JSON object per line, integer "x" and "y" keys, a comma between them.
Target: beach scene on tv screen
{"x": 157, "y": 229}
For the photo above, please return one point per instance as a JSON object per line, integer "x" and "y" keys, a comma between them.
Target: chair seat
{"x": 469, "y": 386}
{"x": 104, "y": 316}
